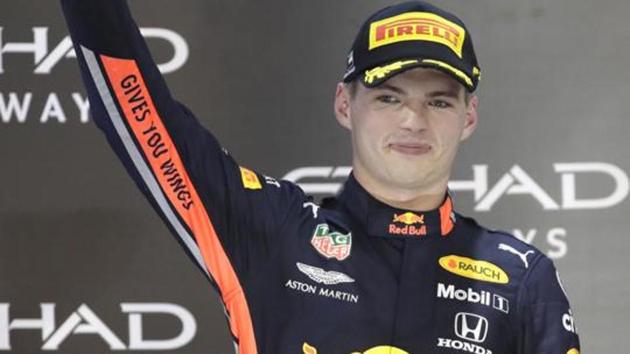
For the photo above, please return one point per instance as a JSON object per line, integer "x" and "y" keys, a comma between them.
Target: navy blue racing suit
{"x": 352, "y": 275}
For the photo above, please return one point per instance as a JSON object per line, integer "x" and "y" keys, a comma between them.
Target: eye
{"x": 387, "y": 99}
{"x": 440, "y": 104}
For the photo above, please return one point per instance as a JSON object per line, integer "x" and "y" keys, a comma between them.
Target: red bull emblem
{"x": 409, "y": 218}
{"x": 414, "y": 225}
{"x": 331, "y": 244}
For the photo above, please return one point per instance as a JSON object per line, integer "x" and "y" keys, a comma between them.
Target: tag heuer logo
{"x": 331, "y": 244}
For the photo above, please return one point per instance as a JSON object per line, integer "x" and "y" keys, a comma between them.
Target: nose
{"x": 414, "y": 118}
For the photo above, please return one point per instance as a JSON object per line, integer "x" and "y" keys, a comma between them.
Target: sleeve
{"x": 548, "y": 325}
{"x": 225, "y": 216}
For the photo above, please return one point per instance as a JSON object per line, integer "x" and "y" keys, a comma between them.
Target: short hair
{"x": 352, "y": 87}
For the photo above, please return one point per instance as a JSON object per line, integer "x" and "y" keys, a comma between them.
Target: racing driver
{"x": 386, "y": 267}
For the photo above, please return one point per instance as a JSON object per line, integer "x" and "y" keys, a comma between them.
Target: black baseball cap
{"x": 408, "y": 35}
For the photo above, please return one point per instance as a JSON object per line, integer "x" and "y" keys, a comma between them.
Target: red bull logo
{"x": 409, "y": 218}
{"x": 414, "y": 225}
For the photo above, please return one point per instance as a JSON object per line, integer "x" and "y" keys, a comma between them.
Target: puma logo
{"x": 314, "y": 208}
{"x": 522, "y": 256}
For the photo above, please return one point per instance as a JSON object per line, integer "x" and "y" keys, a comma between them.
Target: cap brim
{"x": 377, "y": 75}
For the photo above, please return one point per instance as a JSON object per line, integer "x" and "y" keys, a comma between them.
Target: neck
{"x": 417, "y": 199}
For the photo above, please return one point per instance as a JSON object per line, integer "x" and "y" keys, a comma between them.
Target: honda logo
{"x": 471, "y": 327}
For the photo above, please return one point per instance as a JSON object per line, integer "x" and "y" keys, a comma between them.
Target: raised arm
{"x": 223, "y": 215}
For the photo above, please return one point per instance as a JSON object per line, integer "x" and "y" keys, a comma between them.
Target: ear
{"x": 342, "y": 106}
{"x": 471, "y": 119}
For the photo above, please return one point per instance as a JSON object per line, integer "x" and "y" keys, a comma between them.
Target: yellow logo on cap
{"x": 380, "y": 72}
{"x": 250, "y": 179}
{"x": 474, "y": 269}
{"x": 573, "y": 351}
{"x": 418, "y": 26}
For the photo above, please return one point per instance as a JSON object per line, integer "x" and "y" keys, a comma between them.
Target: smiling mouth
{"x": 410, "y": 148}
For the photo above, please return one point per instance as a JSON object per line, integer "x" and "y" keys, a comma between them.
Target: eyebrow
{"x": 453, "y": 93}
{"x": 447, "y": 93}
{"x": 386, "y": 86}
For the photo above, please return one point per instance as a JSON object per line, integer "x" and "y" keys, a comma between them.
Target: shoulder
{"x": 501, "y": 248}
{"x": 489, "y": 236}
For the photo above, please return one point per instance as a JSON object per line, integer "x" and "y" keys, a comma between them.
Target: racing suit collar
{"x": 382, "y": 220}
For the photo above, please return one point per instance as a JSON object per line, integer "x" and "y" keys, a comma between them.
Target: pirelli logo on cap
{"x": 417, "y": 26}
{"x": 474, "y": 269}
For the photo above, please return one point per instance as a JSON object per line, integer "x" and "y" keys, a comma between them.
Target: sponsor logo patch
{"x": 382, "y": 349}
{"x": 481, "y": 297}
{"x": 308, "y": 349}
{"x": 250, "y": 179}
{"x": 463, "y": 346}
{"x": 321, "y": 276}
{"x": 272, "y": 181}
{"x": 350, "y": 65}
{"x": 314, "y": 208}
{"x": 474, "y": 269}
{"x": 409, "y": 218}
{"x": 500, "y": 303}
{"x": 472, "y": 327}
{"x": 417, "y": 26}
{"x": 568, "y": 322}
{"x": 321, "y": 291}
{"x": 469, "y": 327}
{"x": 413, "y": 225}
{"x": 331, "y": 244}
{"x": 573, "y": 351}
{"x": 514, "y": 251}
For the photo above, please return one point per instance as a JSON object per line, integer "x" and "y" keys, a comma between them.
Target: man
{"x": 388, "y": 266}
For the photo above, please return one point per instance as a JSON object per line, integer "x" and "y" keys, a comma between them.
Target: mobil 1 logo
{"x": 481, "y": 297}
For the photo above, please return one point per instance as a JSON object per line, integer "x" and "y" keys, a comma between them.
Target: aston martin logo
{"x": 321, "y": 276}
